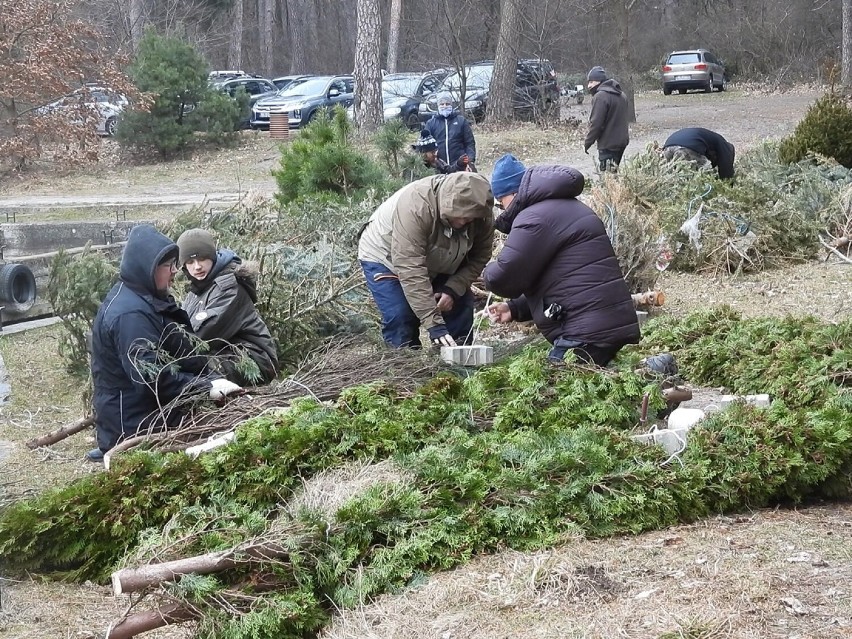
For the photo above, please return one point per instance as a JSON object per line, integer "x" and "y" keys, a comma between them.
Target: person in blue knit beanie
{"x": 557, "y": 267}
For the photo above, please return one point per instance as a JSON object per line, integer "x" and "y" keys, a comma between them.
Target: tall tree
{"x": 368, "y": 73}
{"x": 266, "y": 23}
{"x": 235, "y": 50}
{"x": 846, "y": 72}
{"x": 625, "y": 61}
{"x": 501, "y": 94}
{"x": 136, "y": 19}
{"x": 301, "y": 20}
{"x": 393, "y": 35}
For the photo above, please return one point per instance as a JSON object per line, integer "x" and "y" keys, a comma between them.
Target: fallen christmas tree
{"x": 517, "y": 455}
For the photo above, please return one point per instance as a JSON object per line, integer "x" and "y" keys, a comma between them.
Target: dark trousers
{"x": 585, "y": 353}
{"x": 610, "y": 156}
{"x": 400, "y": 326}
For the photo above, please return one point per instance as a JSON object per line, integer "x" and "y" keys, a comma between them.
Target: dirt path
{"x": 744, "y": 117}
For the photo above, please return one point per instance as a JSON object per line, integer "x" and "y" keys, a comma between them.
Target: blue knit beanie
{"x": 506, "y": 177}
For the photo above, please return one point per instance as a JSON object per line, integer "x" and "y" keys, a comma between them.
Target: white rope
{"x": 474, "y": 328}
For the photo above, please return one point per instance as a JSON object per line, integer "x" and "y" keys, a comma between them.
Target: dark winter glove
{"x": 462, "y": 162}
{"x": 440, "y": 336}
{"x": 449, "y": 291}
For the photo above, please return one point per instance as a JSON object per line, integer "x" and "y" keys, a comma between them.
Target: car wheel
{"x": 110, "y": 125}
{"x": 709, "y": 86}
{"x": 682, "y": 91}
{"x": 413, "y": 121}
{"x": 667, "y": 90}
{"x": 724, "y": 85}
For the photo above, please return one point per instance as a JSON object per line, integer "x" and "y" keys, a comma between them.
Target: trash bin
{"x": 279, "y": 126}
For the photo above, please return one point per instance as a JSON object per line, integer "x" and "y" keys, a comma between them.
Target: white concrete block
{"x": 467, "y": 355}
{"x": 684, "y": 418}
{"x": 674, "y": 441}
{"x": 760, "y": 400}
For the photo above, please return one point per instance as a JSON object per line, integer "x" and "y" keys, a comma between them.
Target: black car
{"x": 302, "y": 101}
{"x": 402, "y": 94}
{"x": 536, "y": 90}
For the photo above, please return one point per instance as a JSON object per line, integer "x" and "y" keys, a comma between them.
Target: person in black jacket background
{"x": 452, "y": 133}
{"x": 608, "y": 126}
{"x": 702, "y": 147}
{"x": 142, "y": 354}
{"x": 557, "y": 264}
{"x": 427, "y": 147}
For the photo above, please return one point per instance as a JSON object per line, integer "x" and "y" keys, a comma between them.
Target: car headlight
{"x": 423, "y": 108}
{"x": 392, "y": 112}
{"x": 472, "y": 104}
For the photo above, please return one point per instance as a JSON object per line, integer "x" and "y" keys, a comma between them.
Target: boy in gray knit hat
{"x": 220, "y": 305}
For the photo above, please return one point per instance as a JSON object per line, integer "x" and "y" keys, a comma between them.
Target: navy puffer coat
{"x": 558, "y": 252}
{"x": 137, "y": 331}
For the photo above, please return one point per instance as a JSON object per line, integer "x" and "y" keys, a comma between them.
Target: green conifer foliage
{"x": 175, "y": 74}
{"x": 826, "y": 130}
{"x": 323, "y": 159}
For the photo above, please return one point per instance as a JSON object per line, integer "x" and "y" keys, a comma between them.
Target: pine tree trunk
{"x": 235, "y": 50}
{"x": 846, "y": 52}
{"x": 393, "y": 34}
{"x": 266, "y": 21}
{"x": 136, "y": 18}
{"x": 298, "y": 26}
{"x": 501, "y": 100}
{"x": 625, "y": 68}
{"x": 368, "y": 77}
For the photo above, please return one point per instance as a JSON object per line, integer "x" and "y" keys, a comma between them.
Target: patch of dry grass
{"x": 771, "y": 574}
{"x": 44, "y": 397}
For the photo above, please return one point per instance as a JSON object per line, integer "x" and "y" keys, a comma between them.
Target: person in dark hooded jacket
{"x": 143, "y": 357}
{"x": 702, "y": 147}
{"x": 452, "y": 133}
{"x": 220, "y": 305}
{"x": 608, "y": 119}
{"x": 557, "y": 264}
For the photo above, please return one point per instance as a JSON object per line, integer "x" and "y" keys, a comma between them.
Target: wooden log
{"x": 135, "y": 579}
{"x": 141, "y": 622}
{"x": 61, "y": 433}
{"x": 648, "y": 298}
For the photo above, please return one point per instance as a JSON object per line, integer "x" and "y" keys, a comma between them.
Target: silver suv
{"x": 693, "y": 69}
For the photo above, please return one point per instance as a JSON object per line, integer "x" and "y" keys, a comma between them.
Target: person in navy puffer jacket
{"x": 557, "y": 265}
{"x": 452, "y": 132}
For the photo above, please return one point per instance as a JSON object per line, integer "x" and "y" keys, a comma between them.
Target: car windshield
{"x": 292, "y": 83}
{"x": 400, "y": 87}
{"x": 477, "y": 78}
{"x": 311, "y": 86}
{"x": 684, "y": 58}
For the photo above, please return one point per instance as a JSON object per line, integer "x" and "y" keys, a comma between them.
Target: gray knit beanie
{"x": 597, "y": 74}
{"x": 196, "y": 243}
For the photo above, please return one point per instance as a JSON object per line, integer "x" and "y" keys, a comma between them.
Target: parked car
{"x": 106, "y": 104}
{"x": 402, "y": 94}
{"x": 221, "y": 76}
{"x": 536, "y": 89}
{"x": 255, "y": 87}
{"x": 576, "y": 93}
{"x": 285, "y": 81}
{"x": 302, "y": 101}
{"x": 693, "y": 69}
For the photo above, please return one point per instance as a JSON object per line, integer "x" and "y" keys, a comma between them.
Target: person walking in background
{"x": 421, "y": 250}
{"x": 143, "y": 357}
{"x": 703, "y": 148}
{"x": 557, "y": 264}
{"x": 220, "y": 306}
{"x": 608, "y": 119}
{"x": 452, "y": 133}
{"x": 427, "y": 147}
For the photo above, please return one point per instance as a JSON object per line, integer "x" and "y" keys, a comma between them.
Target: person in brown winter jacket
{"x": 557, "y": 265}
{"x": 608, "y": 119}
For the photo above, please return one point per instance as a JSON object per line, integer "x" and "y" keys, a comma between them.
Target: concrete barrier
{"x": 21, "y": 239}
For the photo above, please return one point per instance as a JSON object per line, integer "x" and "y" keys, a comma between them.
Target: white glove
{"x": 221, "y": 388}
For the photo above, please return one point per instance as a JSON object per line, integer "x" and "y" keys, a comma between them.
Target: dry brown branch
{"x": 141, "y": 622}
{"x": 61, "y": 433}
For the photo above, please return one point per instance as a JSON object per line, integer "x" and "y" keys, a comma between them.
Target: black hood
{"x": 146, "y": 248}
{"x": 608, "y": 86}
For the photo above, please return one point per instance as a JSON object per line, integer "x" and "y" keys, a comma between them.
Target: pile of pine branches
{"x": 518, "y": 455}
{"x": 771, "y": 214}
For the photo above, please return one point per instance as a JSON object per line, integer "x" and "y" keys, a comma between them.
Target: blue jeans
{"x": 400, "y": 326}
